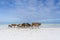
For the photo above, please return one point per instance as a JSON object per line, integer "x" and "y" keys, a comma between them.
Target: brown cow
{"x": 18, "y": 25}
{"x": 36, "y": 24}
{"x": 12, "y": 25}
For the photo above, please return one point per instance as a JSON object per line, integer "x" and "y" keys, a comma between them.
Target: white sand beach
{"x": 29, "y": 34}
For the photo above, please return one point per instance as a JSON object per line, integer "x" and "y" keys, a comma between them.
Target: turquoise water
{"x": 42, "y": 25}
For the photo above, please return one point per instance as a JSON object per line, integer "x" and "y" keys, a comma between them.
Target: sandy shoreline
{"x": 30, "y": 34}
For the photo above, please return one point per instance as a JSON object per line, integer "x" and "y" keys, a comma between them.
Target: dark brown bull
{"x": 28, "y": 24}
{"x": 10, "y": 25}
{"x": 25, "y": 25}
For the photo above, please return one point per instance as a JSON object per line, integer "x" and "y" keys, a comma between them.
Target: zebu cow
{"x": 19, "y": 25}
{"x": 25, "y": 25}
{"x": 36, "y": 24}
{"x": 12, "y": 25}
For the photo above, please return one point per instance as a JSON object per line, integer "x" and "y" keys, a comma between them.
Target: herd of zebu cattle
{"x": 25, "y": 25}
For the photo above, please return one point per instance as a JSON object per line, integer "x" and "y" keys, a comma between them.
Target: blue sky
{"x": 19, "y": 11}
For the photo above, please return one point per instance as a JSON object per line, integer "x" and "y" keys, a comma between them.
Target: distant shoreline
{"x": 42, "y": 25}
